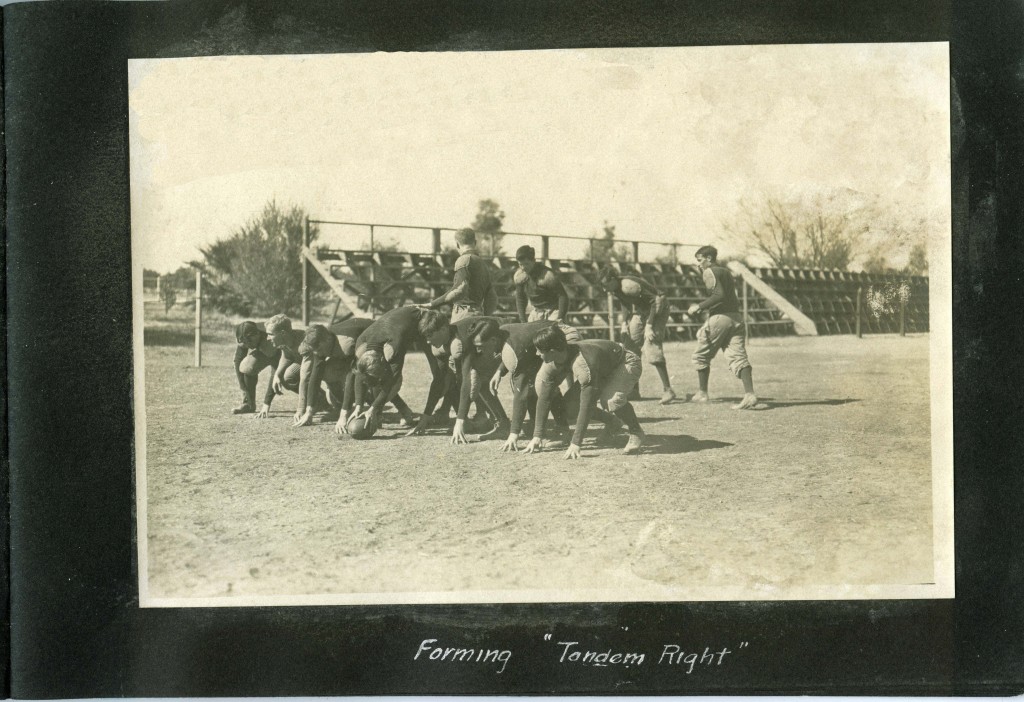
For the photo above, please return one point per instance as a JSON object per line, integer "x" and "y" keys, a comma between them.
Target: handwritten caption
{"x": 572, "y": 653}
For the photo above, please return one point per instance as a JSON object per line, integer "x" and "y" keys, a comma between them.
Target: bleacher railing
{"x": 378, "y": 276}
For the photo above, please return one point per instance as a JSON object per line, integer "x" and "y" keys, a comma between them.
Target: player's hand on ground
{"x": 277, "y": 385}
{"x": 535, "y": 446}
{"x": 511, "y": 444}
{"x": 339, "y": 427}
{"x": 303, "y": 419}
{"x": 572, "y": 452}
{"x": 421, "y": 426}
{"x": 459, "y": 433}
{"x": 263, "y": 412}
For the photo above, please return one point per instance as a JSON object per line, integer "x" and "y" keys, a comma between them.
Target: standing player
{"x": 599, "y": 370}
{"x": 539, "y": 293}
{"x": 253, "y": 353}
{"x": 647, "y": 313}
{"x": 286, "y": 340}
{"x": 327, "y": 356}
{"x": 520, "y": 358}
{"x": 723, "y": 330}
{"x": 472, "y": 292}
{"x": 380, "y": 360}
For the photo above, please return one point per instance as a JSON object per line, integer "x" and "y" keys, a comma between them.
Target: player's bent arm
{"x": 521, "y": 302}
{"x": 495, "y": 381}
{"x": 520, "y": 401}
{"x": 490, "y": 303}
{"x": 457, "y": 291}
{"x": 588, "y": 398}
{"x": 305, "y": 371}
{"x": 563, "y": 303}
{"x": 459, "y": 431}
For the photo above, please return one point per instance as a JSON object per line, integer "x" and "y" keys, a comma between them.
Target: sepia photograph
{"x": 580, "y": 325}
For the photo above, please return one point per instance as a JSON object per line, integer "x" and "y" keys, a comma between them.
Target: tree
{"x": 604, "y": 249}
{"x": 257, "y": 271}
{"x": 487, "y": 225}
{"x": 168, "y": 295}
{"x": 917, "y": 263}
{"x": 837, "y": 229}
{"x": 825, "y": 230}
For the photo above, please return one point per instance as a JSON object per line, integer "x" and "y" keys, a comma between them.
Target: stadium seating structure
{"x": 384, "y": 280}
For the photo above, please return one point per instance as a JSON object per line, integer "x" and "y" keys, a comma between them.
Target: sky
{"x": 660, "y": 142}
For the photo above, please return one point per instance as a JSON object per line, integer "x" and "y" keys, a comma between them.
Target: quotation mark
{"x": 743, "y": 644}
{"x": 547, "y": 637}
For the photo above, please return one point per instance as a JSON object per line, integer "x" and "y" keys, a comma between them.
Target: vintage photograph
{"x": 598, "y": 325}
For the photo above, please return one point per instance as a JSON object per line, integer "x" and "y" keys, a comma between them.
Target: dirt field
{"x": 830, "y": 484}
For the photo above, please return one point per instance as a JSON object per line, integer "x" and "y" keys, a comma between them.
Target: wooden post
{"x": 437, "y": 241}
{"x": 636, "y": 252}
{"x": 373, "y": 270}
{"x": 591, "y": 249}
{"x": 746, "y": 325}
{"x": 675, "y": 254}
{"x": 545, "y": 248}
{"x": 860, "y": 294}
{"x": 611, "y": 315}
{"x": 199, "y": 318}
{"x": 903, "y": 315}
{"x": 305, "y": 274}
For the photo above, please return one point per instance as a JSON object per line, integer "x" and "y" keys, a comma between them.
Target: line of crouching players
{"x": 550, "y": 367}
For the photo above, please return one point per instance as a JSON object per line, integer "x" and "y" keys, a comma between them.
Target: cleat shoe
{"x": 500, "y": 431}
{"x": 634, "y": 443}
{"x": 244, "y": 408}
{"x": 699, "y": 396}
{"x": 667, "y": 397}
{"x": 749, "y": 401}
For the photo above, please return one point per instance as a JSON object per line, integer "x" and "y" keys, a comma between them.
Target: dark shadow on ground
{"x": 767, "y": 403}
{"x": 679, "y": 443}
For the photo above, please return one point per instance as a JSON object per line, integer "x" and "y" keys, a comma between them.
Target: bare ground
{"x": 828, "y": 485}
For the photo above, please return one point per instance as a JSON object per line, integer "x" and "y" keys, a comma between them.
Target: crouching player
{"x": 723, "y": 330}
{"x": 327, "y": 357}
{"x": 473, "y": 359}
{"x": 599, "y": 370}
{"x": 253, "y": 353}
{"x": 520, "y": 359}
{"x": 380, "y": 359}
{"x": 286, "y": 376}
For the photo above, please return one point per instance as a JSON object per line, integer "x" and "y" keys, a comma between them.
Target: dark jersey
{"x": 641, "y": 298}
{"x": 518, "y": 354}
{"x": 588, "y": 363}
{"x": 266, "y": 355}
{"x": 540, "y": 287}
{"x": 722, "y": 291}
{"x": 464, "y": 356}
{"x": 474, "y": 271}
{"x": 347, "y": 333}
{"x": 394, "y": 332}
{"x": 290, "y": 351}
{"x": 471, "y": 284}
